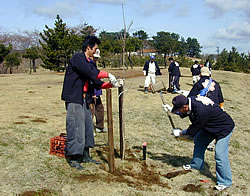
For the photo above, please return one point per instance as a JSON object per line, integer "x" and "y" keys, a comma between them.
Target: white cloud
{"x": 235, "y": 32}
{"x": 64, "y": 9}
{"x": 108, "y": 1}
{"x": 222, "y": 6}
{"x": 149, "y": 7}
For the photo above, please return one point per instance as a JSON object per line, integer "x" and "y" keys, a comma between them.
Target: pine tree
{"x": 56, "y": 46}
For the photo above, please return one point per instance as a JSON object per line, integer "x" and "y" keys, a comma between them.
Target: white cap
{"x": 97, "y": 53}
{"x": 205, "y": 71}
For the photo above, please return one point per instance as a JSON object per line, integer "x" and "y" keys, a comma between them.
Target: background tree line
{"x": 55, "y": 46}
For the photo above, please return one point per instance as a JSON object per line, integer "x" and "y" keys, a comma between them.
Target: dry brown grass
{"x": 31, "y": 113}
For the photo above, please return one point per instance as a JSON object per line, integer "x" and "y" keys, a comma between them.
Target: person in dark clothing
{"x": 214, "y": 90}
{"x": 209, "y": 66}
{"x": 209, "y": 122}
{"x": 96, "y": 106}
{"x": 174, "y": 73}
{"x": 150, "y": 70}
{"x": 195, "y": 69}
{"x": 81, "y": 77}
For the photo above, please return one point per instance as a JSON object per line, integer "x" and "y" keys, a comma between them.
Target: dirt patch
{"x": 176, "y": 173}
{"x": 39, "y": 120}
{"x": 23, "y": 117}
{"x": 192, "y": 188}
{"x": 130, "y": 73}
{"x": 42, "y": 192}
{"x": 20, "y": 123}
{"x": 141, "y": 178}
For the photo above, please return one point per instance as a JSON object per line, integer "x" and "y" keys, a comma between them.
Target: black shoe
{"x": 74, "y": 162}
{"x": 90, "y": 160}
{"x": 86, "y": 157}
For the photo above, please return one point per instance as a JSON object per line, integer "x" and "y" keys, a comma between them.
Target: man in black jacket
{"x": 195, "y": 69}
{"x": 213, "y": 91}
{"x": 209, "y": 122}
{"x": 80, "y": 77}
{"x": 174, "y": 73}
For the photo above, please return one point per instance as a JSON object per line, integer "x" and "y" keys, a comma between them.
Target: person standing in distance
{"x": 175, "y": 74}
{"x": 150, "y": 69}
{"x": 195, "y": 69}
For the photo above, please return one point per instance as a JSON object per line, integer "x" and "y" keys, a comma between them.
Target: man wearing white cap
{"x": 208, "y": 87}
{"x": 150, "y": 69}
{"x": 97, "y": 108}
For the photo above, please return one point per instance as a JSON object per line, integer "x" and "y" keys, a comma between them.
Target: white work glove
{"x": 112, "y": 79}
{"x": 167, "y": 108}
{"x": 176, "y": 132}
{"x": 144, "y": 72}
{"x": 118, "y": 83}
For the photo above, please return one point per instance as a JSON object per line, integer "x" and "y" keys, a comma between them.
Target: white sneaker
{"x": 101, "y": 130}
{"x": 187, "y": 167}
{"x": 220, "y": 187}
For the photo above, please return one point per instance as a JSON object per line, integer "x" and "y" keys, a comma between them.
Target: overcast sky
{"x": 222, "y": 23}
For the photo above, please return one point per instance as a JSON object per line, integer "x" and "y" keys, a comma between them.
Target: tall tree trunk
{"x": 30, "y": 67}
{"x": 165, "y": 61}
{"x": 34, "y": 64}
{"x": 130, "y": 61}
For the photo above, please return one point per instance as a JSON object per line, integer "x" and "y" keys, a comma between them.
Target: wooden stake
{"x": 121, "y": 123}
{"x": 110, "y": 131}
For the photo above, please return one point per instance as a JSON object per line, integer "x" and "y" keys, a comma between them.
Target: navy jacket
{"x": 215, "y": 95}
{"x": 195, "y": 69}
{"x": 157, "y": 68}
{"x": 77, "y": 72}
{"x": 209, "y": 118}
{"x": 173, "y": 69}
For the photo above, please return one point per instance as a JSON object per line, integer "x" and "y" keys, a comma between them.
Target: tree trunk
{"x": 103, "y": 64}
{"x": 30, "y": 67}
{"x": 11, "y": 70}
{"x": 130, "y": 61}
{"x": 165, "y": 62}
{"x": 34, "y": 64}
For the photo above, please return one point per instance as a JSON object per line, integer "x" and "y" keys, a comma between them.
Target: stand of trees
{"x": 233, "y": 61}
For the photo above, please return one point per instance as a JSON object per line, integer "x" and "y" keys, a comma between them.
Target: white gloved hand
{"x": 176, "y": 132}
{"x": 121, "y": 82}
{"x": 144, "y": 72}
{"x": 112, "y": 79}
{"x": 118, "y": 83}
{"x": 167, "y": 108}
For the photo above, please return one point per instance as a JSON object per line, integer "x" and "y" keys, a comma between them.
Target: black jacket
{"x": 78, "y": 71}
{"x": 157, "y": 68}
{"x": 209, "y": 118}
{"x": 215, "y": 95}
{"x": 174, "y": 69}
{"x": 195, "y": 69}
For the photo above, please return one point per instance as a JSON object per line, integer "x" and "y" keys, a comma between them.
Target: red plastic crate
{"x": 58, "y": 145}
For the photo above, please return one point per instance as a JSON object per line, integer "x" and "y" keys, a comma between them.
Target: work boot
{"x": 74, "y": 161}
{"x": 86, "y": 157}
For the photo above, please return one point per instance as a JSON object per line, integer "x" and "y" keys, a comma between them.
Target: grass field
{"x": 32, "y": 112}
